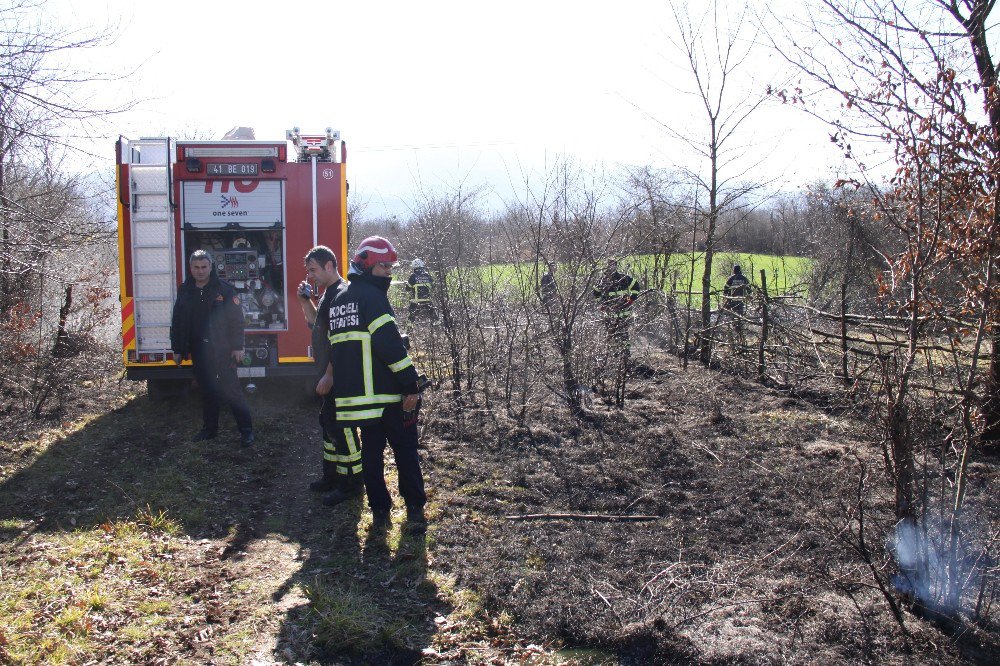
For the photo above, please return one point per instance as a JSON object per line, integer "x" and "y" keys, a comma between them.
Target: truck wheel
{"x": 305, "y": 387}
{"x": 163, "y": 389}
{"x": 298, "y": 388}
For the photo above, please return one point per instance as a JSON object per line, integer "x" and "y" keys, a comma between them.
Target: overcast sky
{"x": 429, "y": 95}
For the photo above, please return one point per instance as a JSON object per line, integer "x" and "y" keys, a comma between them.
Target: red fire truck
{"x": 256, "y": 207}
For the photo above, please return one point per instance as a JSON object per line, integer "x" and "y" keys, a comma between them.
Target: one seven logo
{"x": 228, "y": 202}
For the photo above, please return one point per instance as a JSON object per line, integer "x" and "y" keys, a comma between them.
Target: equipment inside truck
{"x": 253, "y": 262}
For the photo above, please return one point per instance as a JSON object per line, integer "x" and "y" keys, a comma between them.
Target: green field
{"x": 784, "y": 274}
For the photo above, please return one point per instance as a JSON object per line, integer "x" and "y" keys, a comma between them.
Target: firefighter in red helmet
{"x": 374, "y": 381}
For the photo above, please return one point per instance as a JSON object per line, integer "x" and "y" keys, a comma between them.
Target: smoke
{"x": 921, "y": 570}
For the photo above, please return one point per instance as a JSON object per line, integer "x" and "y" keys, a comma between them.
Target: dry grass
{"x": 122, "y": 541}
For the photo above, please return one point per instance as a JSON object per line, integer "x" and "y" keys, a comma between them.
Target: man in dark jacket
{"x": 341, "y": 446}
{"x": 734, "y": 296}
{"x": 207, "y": 324}
{"x": 735, "y": 292}
{"x": 375, "y": 383}
{"x": 615, "y": 293}
{"x": 548, "y": 290}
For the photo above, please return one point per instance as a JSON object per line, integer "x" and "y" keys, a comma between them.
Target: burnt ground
{"x": 750, "y": 559}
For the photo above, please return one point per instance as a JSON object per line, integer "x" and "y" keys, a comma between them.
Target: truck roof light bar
{"x": 210, "y": 151}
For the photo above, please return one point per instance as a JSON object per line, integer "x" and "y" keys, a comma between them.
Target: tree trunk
{"x": 976, "y": 27}
{"x": 61, "y": 345}
{"x": 713, "y": 220}
{"x": 991, "y": 406}
{"x": 764, "y": 324}
{"x": 705, "y": 353}
{"x": 6, "y": 302}
{"x": 901, "y": 445}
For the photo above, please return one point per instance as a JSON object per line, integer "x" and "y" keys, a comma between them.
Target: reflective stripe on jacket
{"x": 371, "y": 367}
{"x": 420, "y": 286}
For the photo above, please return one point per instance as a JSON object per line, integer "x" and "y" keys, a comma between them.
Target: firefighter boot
{"x": 348, "y": 488}
{"x": 416, "y": 521}
{"x": 329, "y": 480}
{"x": 204, "y": 435}
{"x": 381, "y": 520}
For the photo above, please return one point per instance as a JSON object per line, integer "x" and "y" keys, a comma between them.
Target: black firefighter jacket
{"x": 371, "y": 368}
{"x": 616, "y": 293}
{"x": 420, "y": 286}
{"x": 224, "y": 328}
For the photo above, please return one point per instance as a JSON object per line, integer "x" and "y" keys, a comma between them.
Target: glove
{"x": 410, "y": 418}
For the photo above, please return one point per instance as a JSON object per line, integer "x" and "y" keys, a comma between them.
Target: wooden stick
{"x": 579, "y": 516}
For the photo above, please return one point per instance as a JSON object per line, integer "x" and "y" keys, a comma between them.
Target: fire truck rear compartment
{"x": 253, "y": 262}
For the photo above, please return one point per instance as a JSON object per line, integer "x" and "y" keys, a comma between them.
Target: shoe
{"x": 381, "y": 520}
{"x": 246, "y": 439}
{"x": 203, "y": 435}
{"x": 324, "y": 485}
{"x": 328, "y": 481}
{"x": 416, "y": 521}
{"x": 337, "y": 496}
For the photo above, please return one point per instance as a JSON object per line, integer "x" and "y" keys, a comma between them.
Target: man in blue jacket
{"x": 374, "y": 381}
{"x": 207, "y": 324}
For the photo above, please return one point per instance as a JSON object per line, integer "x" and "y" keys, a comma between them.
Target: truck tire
{"x": 303, "y": 388}
{"x": 164, "y": 389}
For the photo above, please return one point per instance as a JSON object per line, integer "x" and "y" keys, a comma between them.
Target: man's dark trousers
{"x": 216, "y": 375}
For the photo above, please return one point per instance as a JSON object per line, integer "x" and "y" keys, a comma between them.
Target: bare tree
{"x": 918, "y": 77}
{"x": 50, "y": 224}
{"x": 718, "y": 55}
{"x": 657, "y": 224}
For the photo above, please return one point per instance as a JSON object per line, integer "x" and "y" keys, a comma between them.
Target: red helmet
{"x": 374, "y": 250}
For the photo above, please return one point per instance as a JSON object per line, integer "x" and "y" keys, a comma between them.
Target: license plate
{"x": 233, "y": 169}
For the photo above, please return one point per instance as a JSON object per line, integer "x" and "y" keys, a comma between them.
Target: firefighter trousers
{"x": 402, "y": 439}
{"x": 422, "y": 310}
{"x": 341, "y": 446}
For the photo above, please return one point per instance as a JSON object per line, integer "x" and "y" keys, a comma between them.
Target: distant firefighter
{"x": 615, "y": 293}
{"x": 421, "y": 284}
{"x": 735, "y": 292}
{"x": 547, "y": 289}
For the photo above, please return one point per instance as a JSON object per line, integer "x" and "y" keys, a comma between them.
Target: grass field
{"x": 784, "y": 274}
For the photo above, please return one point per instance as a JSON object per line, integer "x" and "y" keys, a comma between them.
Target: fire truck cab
{"x": 256, "y": 207}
